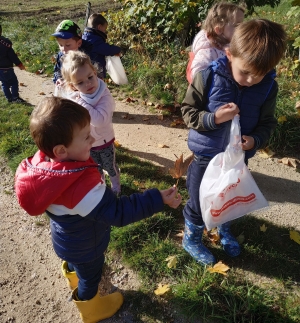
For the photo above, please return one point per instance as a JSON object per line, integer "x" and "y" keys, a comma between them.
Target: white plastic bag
{"x": 228, "y": 190}
{"x": 116, "y": 70}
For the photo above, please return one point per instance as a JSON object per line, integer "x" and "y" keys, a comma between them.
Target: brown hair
{"x": 260, "y": 43}
{"x": 53, "y": 122}
{"x": 220, "y": 14}
{"x": 96, "y": 19}
{"x": 72, "y": 61}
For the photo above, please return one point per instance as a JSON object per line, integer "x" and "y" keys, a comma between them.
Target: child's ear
{"x": 228, "y": 54}
{"x": 79, "y": 43}
{"x": 218, "y": 30}
{"x": 60, "y": 152}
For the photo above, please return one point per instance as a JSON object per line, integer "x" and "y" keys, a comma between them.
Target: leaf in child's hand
{"x": 294, "y": 235}
{"x": 263, "y": 228}
{"x": 219, "y": 268}
{"x": 172, "y": 261}
{"x": 180, "y": 166}
{"x": 162, "y": 289}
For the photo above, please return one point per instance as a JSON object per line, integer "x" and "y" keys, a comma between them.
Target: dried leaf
{"x": 266, "y": 153}
{"x": 293, "y": 162}
{"x": 180, "y": 166}
{"x": 150, "y": 104}
{"x": 42, "y": 93}
{"x": 162, "y": 289}
{"x": 168, "y": 86}
{"x": 162, "y": 146}
{"x": 263, "y": 228}
{"x": 241, "y": 238}
{"x": 160, "y": 117}
{"x": 282, "y": 119}
{"x": 21, "y": 84}
{"x": 117, "y": 144}
{"x": 219, "y": 268}
{"x": 180, "y": 234}
{"x": 294, "y": 235}
{"x": 146, "y": 118}
{"x": 213, "y": 235}
{"x": 172, "y": 261}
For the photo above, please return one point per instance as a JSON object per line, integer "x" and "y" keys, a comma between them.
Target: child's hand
{"x": 226, "y": 112}
{"x": 59, "y": 82}
{"x": 248, "y": 142}
{"x": 171, "y": 197}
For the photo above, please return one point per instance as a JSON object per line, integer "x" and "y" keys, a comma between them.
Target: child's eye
{"x": 91, "y": 77}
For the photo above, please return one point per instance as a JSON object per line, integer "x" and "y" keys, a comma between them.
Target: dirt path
{"x": 31, "y": 286}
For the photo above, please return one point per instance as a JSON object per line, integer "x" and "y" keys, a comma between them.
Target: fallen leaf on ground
{"x": 263, "y": 228}
{"x": 163, "y": 146}
{"x": 160, "y": 117}
{"x": 172, "y": 261}
{"x": 219, "y": 268}
{"x": 266, "y": 153}
{"x": 212, "y": 235}
{"x": 146, "y": 118}
{"x": 241, "y": 238}
{"x": 180, "y": 234}
{"x": 117, "y": 144}
{"x": 180, "y": 166}
{"x": 294, "y": 235}
{"x": 293, "y": 162}
{"x": 42, "y": 93}
{"x": 21, "y": 84}
{"x": 162, "y": 289}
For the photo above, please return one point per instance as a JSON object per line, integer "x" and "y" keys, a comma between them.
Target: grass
{"x": 263, "y": 283}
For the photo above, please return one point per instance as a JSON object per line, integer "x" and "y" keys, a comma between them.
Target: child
{"x": 8, "y": 78}
{"x": 92, "y": 93}
{"x": 96, "y": 35}
{"x": 241, "y": 83}
{"x": 62, "y": 180}
{"x": 209, "y": 44}
{"x": 68, "y": 36}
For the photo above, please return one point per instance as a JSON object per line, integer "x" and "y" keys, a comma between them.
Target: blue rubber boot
{"x": 228, "y": 241}
{"x": 192, "y": 243}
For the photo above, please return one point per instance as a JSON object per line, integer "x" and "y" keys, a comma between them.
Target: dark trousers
{"x": 89, "y": 275}
{"x": 10, "y": 84}
{"x": 195, "y": 172}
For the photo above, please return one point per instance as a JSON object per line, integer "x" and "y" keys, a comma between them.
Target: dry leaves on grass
{"x": 180, "y": 166}
{"x": 172, "y": 261}
{"x": 219, "y": 268}
{"x": 162, "y": 289}
{"x": 292, "y": 162}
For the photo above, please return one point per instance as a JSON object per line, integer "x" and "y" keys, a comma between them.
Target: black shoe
{"x": 18, "y": 100}
{"x": 9, "y": 100}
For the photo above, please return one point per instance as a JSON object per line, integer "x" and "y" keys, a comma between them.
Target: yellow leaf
{"x": 117, "y": 144}
{"x": 172, "y": 261}
{"x": 163, "y": 146}
{"x": 240, "y": 238}
{"x": 266, "y": 153}
{"x": 294, "y": 235}
{"x": 162, "y": 289}
{"x": 219, "y": 268}
{"x": 263, "y": 228}
{"x": 282, "y": 119}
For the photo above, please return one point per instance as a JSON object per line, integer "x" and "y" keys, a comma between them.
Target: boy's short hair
{"x": 260, "y": 43}
{"x": 53, "y": 122}
{"x": 96, "y": 19}
{"x": 67, "y": 29}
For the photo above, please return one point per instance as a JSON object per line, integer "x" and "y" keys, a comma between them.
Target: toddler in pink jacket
{"x": 209, "y": 44}
{"x": 92, "y": 93}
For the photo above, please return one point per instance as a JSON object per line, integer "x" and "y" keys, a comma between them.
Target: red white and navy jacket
{"x": 80, "y": 206}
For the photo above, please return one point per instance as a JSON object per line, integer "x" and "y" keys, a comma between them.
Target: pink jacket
{"x": 101, "y": 108}
{"x": 204, "y": 53}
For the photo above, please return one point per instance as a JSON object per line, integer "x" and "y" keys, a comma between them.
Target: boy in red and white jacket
{"x": 62, "y": 180}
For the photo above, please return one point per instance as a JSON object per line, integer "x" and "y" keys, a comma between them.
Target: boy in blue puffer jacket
{"x": 241, "y": 83}
{"x": 62, "y": 180}
{"x": 95, "y": 35}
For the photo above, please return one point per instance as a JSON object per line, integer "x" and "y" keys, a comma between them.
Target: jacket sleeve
{"x": 193, "y": 106}
{"x": 14, "y": 57}
{"x": 128, "y": 209}
{"x": 267, "y": 121}
{"x": 102, "y": 48}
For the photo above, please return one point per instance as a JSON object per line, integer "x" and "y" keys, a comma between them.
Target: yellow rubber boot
{"x": 70, "y": 276}
{"x": 98, "y": 308}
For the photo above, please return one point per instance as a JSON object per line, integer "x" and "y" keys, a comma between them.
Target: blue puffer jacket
{"x": 100, "y": 48}
{"x": 256, "y": 103}
{"x": 81, "y": 208}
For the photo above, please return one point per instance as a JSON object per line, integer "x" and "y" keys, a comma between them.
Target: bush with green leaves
{"x": 175, "y": 18}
